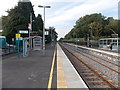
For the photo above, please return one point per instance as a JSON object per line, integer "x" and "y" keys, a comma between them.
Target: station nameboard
{"x": 115, "y": 35}
{"x": 23, "y": 31}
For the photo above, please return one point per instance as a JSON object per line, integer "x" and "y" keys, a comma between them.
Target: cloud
{"x": 80, "y": 10}
{"x": 57, "y": 1}
{"x": 64, "y": 13}
{"x": 7, "y": 4}
{"x": 68, "y": 13}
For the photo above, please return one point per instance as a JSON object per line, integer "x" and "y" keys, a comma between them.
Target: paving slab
{"x": 28, "y": 72}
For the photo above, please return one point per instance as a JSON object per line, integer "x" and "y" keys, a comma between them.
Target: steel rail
{"x": 79, "y": 59}
{"x": 104, "y": 60}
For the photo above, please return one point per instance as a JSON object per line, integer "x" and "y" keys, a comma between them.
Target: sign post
{"x": 24, "y": 48}
{"x": 18, "y": 43}
{"x": 13, "y": 44}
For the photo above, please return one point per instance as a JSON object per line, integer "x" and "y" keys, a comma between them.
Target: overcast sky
{"x": 64, "y": 13}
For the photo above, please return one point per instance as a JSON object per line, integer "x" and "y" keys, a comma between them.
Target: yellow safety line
{"x": 51, "y": 72}
{"x": 61, "y": 79}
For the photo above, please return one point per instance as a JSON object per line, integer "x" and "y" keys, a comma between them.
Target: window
{"x": 115, "y": 43}
{"x": 109, "y": 41}
{"x": 101, "y": 42}
{"x": 114, "y": 40}
{"x": 104, "y": 42}
{"x": 119, "y": 42}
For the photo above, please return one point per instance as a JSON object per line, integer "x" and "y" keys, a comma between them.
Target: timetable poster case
{"x": 37, "y": 43}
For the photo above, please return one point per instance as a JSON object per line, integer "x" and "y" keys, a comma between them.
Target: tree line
{"x": 95, "y": 26}
{"x": 18, "y": 19}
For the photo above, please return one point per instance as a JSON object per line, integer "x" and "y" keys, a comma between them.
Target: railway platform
{"x": 63, "y": 67}
{"x": 67, "y": 76}
{"x": 50, "y": 70}
{"x": 98, "y": 68}
{"x": 29, "y": 73}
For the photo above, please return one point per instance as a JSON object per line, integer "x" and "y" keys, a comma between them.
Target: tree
{"x": 61, "y": 39}
{"x": 112, "y": 28}
{"x": 17, "y": 19}
{"x": 95, "y": 28}
{"x": 39, "y": 22}
{"x": 95, "y": 24}
{"x": 0, "y": 23}
{"x": 40, "y": 33}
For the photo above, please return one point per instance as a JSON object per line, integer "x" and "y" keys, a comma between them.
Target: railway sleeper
{"x": 105, "y": 80}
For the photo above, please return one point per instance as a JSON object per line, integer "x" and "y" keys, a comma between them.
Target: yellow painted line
{"x": 61, "y": 79}
{"x": 51, "y": 72}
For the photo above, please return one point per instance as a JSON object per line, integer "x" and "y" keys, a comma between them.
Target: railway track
{"x": 92, "y": 69}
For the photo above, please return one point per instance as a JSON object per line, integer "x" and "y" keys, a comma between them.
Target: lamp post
{"x": 30, "y": 28}
{"x": 30, "y": 24}
{"x": 91, "y": 33}
{"x": 50, "y": 28}
{"x": 88, "y": 40}
{"x": 44, "y": 24}
{"x": 115, "y": 35}
{"x": 91, "y": 37}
